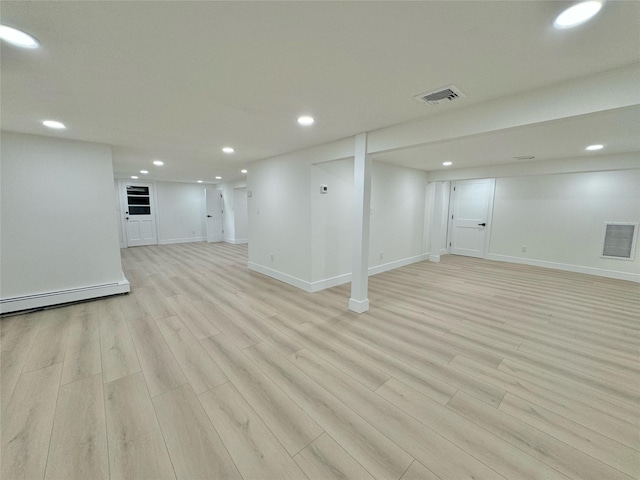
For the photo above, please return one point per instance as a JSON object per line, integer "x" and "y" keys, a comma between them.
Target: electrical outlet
{"x": 524, "y": 249}
{"x": 381, "y": 255}
{"x": 271, "y": 256}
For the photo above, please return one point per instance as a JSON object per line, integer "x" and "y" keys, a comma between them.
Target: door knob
{"x": 482, "y": 224}
{"x": 209, "y": 216}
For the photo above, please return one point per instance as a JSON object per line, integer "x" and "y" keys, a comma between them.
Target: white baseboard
{"x": 236, "y": 241}
{"x": 332, "y": 281}
{"x": 632, "y": 277}
{"x": 346, "y": 277}
{"x": 434, "y": 258}
{"x": 385, "y": 267}
{"x": 46, "y": 299}
{"x": 329, "y": 282}
{"x": 358, "y": 306}
{"x": 169, "y": 241}
{"x": 283, "y": 277}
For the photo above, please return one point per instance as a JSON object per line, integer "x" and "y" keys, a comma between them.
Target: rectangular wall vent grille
{"x": 619, "y": 240}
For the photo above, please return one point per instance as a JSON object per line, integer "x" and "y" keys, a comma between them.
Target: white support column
{"x": 359, "y": 301}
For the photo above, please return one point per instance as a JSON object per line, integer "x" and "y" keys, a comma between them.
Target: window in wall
{"x": 138, "y": 200}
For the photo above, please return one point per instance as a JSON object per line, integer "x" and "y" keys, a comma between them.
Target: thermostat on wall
{"x": 324, "y": 189}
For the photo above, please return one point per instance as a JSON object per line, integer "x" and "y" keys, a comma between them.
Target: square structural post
{"x": 359, "y": 301}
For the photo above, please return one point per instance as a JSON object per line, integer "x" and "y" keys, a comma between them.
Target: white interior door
{"x": 139, "y": 214}
{"x": 470, "y": 216}
{"x": 213, "y": 199}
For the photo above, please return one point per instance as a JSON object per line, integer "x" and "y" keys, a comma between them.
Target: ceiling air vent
{"x": 442, "y": 95}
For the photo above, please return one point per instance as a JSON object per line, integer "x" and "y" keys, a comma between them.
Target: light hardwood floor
{"x": 464, "y": 369}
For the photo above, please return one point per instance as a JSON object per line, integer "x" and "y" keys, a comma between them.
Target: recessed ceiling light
{"x": 243, "y": 171}
{"x": 158, "y": 162}
{"x": 199, "y": 181}
{"x": 305, "y": 120}
{"x": 17, "y": 37}
{"x": 134, "y": 177}
{"x": 577, "y": 14}
{"x": 144, "y": 171}
{"x": 228, "y": 150}
{"x": 447, "y": 164}
{"x": 54, "y": 124}
{"x": 218, "y": 178}
{"x": 594, "y": 147}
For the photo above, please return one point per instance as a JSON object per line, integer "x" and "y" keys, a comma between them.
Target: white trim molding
{"x": 358, "y": 306}
{"x": 46, "y": 299}
{"x": 631, "y": 277}
{"x": 385, "y": 267}
{"x": 330, "y": 282}
{"x": 283, "y": 277}
{"x": 318, "y": 285}
{"x": 236, "y": 241}
{"x": 169, "y": 241}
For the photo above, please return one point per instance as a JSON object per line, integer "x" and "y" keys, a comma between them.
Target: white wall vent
{"x": 620, "y": 240}
{"x": 442, "y": 95}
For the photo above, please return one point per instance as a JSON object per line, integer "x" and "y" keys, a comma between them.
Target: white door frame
{"x": 487, "y": 242}
{"x": 124, "y": 204}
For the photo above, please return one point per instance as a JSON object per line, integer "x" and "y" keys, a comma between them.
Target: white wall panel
{"x": 59, "y": 230}
{"x": 181, "y": 213}
{"x": 561, "y": 218}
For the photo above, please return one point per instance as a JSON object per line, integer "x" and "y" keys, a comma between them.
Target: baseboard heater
{"x": 45, "y": 299}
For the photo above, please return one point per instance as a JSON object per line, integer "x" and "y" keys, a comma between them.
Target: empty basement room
{"x": 320, "y": 240}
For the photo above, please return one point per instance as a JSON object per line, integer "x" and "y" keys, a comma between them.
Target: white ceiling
{"x": 179, "y": 80}
{"x": 618, "y": 129}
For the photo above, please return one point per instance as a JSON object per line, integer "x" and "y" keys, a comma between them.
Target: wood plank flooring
{"x": 463, "y": 369}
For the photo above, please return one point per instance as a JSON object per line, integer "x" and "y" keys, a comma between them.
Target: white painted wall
{"x": 331, "y": 220}
{"x": 560, "y": 218}
{"x": 228, "y": 222}
{"x": 116, "y": 187}
{"x": 280, "y": 211}
{"x": 235, "y": 216}
{"x": 240, "y": 215}
{"x": 323, "y": 223}
{"x": 397, "y": 215}
{"x": 59, "y": 228}
{"x": 436, "y": 219}
{"x": 181, "y": 212}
